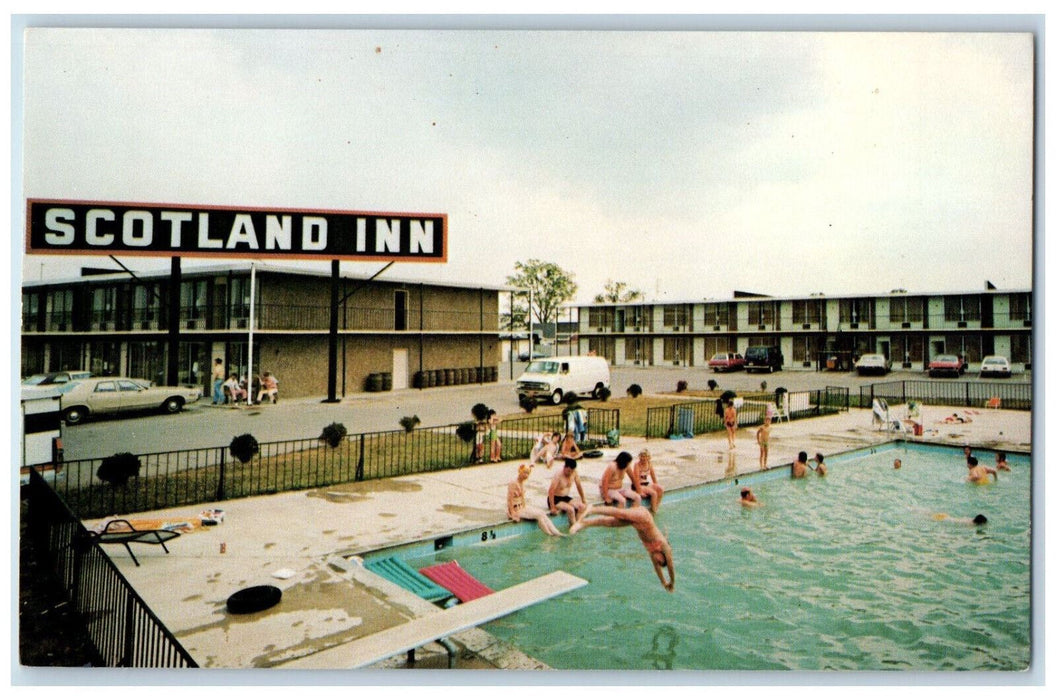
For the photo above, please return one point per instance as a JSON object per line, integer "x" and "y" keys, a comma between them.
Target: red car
{"x": 947, "y": 364}
{"x": 726, "y": 362}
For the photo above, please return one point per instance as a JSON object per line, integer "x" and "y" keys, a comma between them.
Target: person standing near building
{"x": 219, "y": 375}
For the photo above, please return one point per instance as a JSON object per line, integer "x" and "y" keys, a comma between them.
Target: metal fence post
{"x": 359, "y": 462}
{"x": 129, "y": 635}
{"x": 220, "y": 495}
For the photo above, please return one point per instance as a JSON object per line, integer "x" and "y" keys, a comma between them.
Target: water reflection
{"x": 662, "y": 655}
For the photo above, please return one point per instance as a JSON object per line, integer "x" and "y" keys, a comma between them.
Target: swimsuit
{"x": 562, "y": 499}
{"x": 654, "y": 546}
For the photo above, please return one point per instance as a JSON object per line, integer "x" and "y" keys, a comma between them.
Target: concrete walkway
{"x": 325, "y": 605}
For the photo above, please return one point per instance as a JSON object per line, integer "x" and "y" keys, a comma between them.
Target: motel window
{"x": 30, "y": 309}
{"x": 675, "y": 316}
{"x": 807, "y": 311}
{"x": 1019, "y": 307}
{"x": 638, "y": 351}
{"x": 1020, "y": 348}
{"x": 145, "y": 306}
{"x": 906, "y": 309}
{"x": 962, "y": 308}
{"x": 720, "y": 343}
{"x": 675, "y": 351}
{"x": 856, "y": 311}
{"x": 760, "y": 313}
{"x": 716, "y": 315}
{"x": 59, "y": 310}
{"x": 193, "y": 301}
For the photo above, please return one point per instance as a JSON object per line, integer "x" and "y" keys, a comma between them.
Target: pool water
{"x": 846, "y": 572}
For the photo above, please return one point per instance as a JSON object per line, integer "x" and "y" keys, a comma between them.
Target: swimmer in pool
{"x": 641, "y": 520}
{"x": 1002, "y": 462}
{"x": 819, "y": 465}
{"x": 898, "y": 464}
{"x": 977, "y": 520}
{"x": 799, "y": 467}
{"x": 978, "y": 474}
{"x": 748, "y": 499}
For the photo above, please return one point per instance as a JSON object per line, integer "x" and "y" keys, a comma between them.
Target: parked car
{"x": 873, "y": 363}
{"x": 63, "y": 377}
{"x": 118, "y": 394}
{"x": 995, "y": 366}
{"x": 764, "y": 358}
{"x": 947, "y": 364}
{"x": 726, "y": 361}
{"x": 539, "y": 351}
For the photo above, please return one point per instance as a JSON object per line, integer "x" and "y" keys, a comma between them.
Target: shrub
{"x": 528, "y": 403}
{"x": 762, "y": 385}
{"x": 118, "y": 468}
{"x": 604, "y": 393}
{"x": 712, "y": 384}
{"x": 480, "y": 411}
{"x": 243, "y": 447}
{"x": 727, "y": 395}
{"x": 332, "y": 434}
{"x": 466, "y": 432}
{"x": 571, "y": 397}
{"x": 634, "y": 391}
{"x": 682, "y": 385}
{"x": 409, "y": 422}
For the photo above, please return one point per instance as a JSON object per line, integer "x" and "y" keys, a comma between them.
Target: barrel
{"x": 449, "y": 377}
{"x": 430, "y": 378}
{"x": 419, "y": 380}
{"x": 374, "y": 382}
{"x": 474, "y": 375}
{"x": 386, "y": 381}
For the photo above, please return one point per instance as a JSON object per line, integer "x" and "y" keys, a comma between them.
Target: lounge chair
{"x": 125, "y": 534}
{"x": 457, "y": 580}
{"x": 399, "y": 572}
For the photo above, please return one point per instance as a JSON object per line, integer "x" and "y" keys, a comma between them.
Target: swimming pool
{"x": 849, "y": 572}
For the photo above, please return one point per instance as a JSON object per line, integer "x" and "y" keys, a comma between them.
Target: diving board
{"x": 414, "y": 633}
{"x": 457, "y": 580}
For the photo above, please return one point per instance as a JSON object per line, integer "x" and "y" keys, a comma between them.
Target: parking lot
{"x": 203, "y": 425}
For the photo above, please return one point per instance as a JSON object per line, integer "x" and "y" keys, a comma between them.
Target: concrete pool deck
{"x": 301, "y": 542}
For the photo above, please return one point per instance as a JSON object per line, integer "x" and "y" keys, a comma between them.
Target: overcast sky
{"x": 687, "y": 164}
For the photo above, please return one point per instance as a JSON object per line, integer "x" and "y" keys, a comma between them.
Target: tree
{"x": 617, "y": 292}
{"x": 550, "y": 285}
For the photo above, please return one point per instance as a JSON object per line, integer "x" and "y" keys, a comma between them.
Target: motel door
{"x": 400, "y": 368}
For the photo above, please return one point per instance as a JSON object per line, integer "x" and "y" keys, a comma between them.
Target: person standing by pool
{"x": 517, "y": 507}
{"x": 569, "y": 448}
{"x": 642, "y": 521}
{"x": 762, "y": 437}
{"x": 493, "y": 436}
{"x": 748, "y": 499}
{"x": 978, "y": 474}
{"x": 819, "y": 465}
{"x": 799, "y": 467}
{"x": 644, "y": 475}
{"x": 612, "y": 479}
{"x": 558, "y": 498}
{"x": 729, "y": 419}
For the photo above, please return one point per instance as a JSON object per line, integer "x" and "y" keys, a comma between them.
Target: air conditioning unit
{"x": 716, "y": 328}
{"x": 762, "y": 326}
{"x": 241, "y": 322}
{"x": 674, "y": 328}
{"x": 854, "y": 325}
{"x": 806, "y": 326}
{"x": 905, "y": 324}
{"x": 962, "y": 324}
{"x": 1026, "y": 322}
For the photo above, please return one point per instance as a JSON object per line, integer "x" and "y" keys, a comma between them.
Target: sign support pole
{"x": 175, "y": 282}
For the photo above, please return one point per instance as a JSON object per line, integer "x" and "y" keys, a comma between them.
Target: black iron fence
{"x": 1016, "y": 396}
{"x": 123, "y": 630}
{"x": 188, "y": 477}
{"x": 704, "y": 416}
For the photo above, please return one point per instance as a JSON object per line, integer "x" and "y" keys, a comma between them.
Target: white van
{"x": 554, "y": 377}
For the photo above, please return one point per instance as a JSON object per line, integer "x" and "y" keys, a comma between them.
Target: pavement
{"x": 305, "y": 542}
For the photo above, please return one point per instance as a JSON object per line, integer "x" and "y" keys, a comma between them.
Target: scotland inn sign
{"x": 56, "y": 227}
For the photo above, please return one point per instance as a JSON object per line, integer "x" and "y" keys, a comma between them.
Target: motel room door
{"x": 400, "y": 368}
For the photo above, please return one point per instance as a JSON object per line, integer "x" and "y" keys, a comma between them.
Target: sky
{"x": 685, "y": 164}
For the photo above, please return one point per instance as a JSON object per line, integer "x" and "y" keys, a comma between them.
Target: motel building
{"x": 817, "y": 331}
{"x": 392, "y": 334}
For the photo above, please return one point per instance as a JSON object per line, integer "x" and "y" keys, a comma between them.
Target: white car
{"x": 873, "y": 363}
{"x": 995, "y": 366}
{"x": 119, "y": 394}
